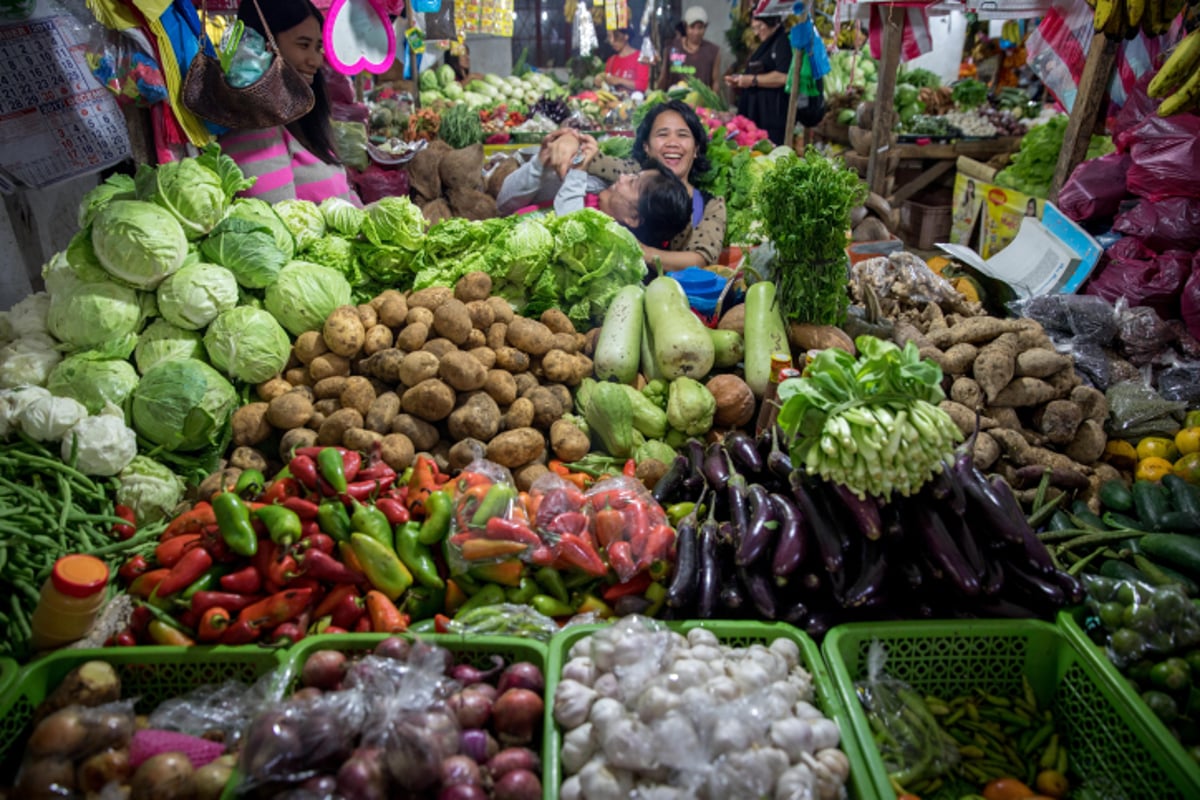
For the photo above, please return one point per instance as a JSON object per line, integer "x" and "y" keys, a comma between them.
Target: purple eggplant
{"x": 1072, "y": 587}
{"x": 1037, "y": 591}
{"x": 993, "y": 578}
{"x": 708, "y": 579}
{"x": 739, "y": 500}
{"x": 942, "y": 550}
{"x": 795, "y": 614}
{"x": 790, "y": 544}
{"x": 864, "y": 511}
{"x": 694, "y": 482}
{"x": 961, "y": 533}
{"x": 823, "y": 525}
{"x": 868, "y": 587}
{"x": 761, "y": 592}
{"x": 683, "y": 581}
{"x": 733, "y": 596}
{"x": 946, "y": 488}
{"x": 779, "y": 463}
{"x": 670, "y": 484}
{"x": 1035, "y": 551}
{"x": 757, "y": 536}
{"x": 984, "y": 506}
{"x": 716, "y": 467}
{"x": 744, "y": 452}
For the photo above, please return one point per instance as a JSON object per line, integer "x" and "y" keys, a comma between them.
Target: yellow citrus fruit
{"x": 1193, "y": 419}
{"x": 1052, "y": 783}
{"x": 1121, "y": 454}
{"x": 1153, "y": 469}
{"x": 1157, "y": 446}
{"x": 1188, "y": 440}
{"x": 1188, "y": 468}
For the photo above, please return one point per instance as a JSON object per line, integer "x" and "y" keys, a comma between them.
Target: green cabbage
{"x": 196, "y": 191}
{"x": 428, "y": 81}
{"x": 247, "y": 344}
{"x": 117, "y": 187}
{"x": 162, "y": 341}
{"x": 94, "y": 380}
{"x": 336, "y": 252}
{"x": 259, "y": 211}
{"x": 304, "y": 219}
{"x": 247, "y": 248}
{"x": 394, "y": 221}
{"x": 445, "y": 74}
{"x": 342, "y": 216}
{"x": 138, "y": 242}
{"x": 86, "y": 314}
{"x": 196, "y": 294}
{"x": 182, "y": 404}
{"x": 305, "y": 294}
{"x": 151, "y": 489}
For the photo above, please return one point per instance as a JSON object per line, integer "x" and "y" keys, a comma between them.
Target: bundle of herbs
{"x": 805, "y": 204}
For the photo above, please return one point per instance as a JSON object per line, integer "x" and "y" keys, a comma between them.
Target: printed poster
{"x": 1003, "y": 211}
{"x": 968, "y": 200}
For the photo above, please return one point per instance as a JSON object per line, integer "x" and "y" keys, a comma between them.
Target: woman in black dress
{"x": 761, "y": 97}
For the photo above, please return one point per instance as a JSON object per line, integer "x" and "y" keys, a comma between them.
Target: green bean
{"x": 64, "y": 488}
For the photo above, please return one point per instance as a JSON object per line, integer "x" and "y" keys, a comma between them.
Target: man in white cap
{"x": 691, "y": 55}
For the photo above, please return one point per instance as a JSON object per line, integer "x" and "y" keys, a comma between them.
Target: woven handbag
{"x": 279, "y": 97}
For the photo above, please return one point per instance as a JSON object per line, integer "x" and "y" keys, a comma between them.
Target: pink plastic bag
{"x": 1189, "y": 303}
{"x": 1169, "y": 224}
{"x": 1153, "y": 282}
{"x": 375, "y": 182}
{"x": 1096, "y": 188}
{"x": 1166, "y": 157}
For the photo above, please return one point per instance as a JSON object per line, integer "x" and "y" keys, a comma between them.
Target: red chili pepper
{"x": 140, "y": 618}
{"x": 212, "y": 541}
{"x": 393, "y": 509}
{"x": 125, "y": 639}
{"x": 310, "y": 528}
{"x": 327, "y": 569}
{"x": 145, "y": 584}
{"x": 274, "y": 610}
{"x": 630, "y": 468}
{"x": 169, "y": 552}
{"x": 304, "y": 469}
{"x": 343, "y": 605}
{"x": 133, "y": 567}
{"x": 656, "y": 546}
{"x": 441, "y": 623}
{"x": 507, "y": 530}
{"x": 542, "y": 556}
{"x": 610, "y": 526}
{"x": 213, "y": 624}
{"x": 385, "y": 617}
{"x": 192, "y": 521}
{"x": 579, "y": 554}
{"x": 634, "y": 586}
{"x": 188, "y": 619}
{"x": 304, "y": 582}
{"x": 313, "y": 450}
{"x": 316, "y": 541}
{"x": 363, "y": 624}
{"x": 637, "y": 521}
{"x": 422, "y": 482}
{"x": 232, "y": 602}
{"x": 280, "y": 489}
{"x": 377, "y": 472}
{"x": 186, "y": 571}
{"x": 305, "y": 509}
{"x": 245, "y": 581}
{"x": 351, "y": 464}
{"x": 288, "y": 631}
{"x": 620, "y": 556}
{"x": 362, "y": 491}
{"x": 570, "y": 522}
{"x": 129, "y": 528}
{"x": 333, "y": 629}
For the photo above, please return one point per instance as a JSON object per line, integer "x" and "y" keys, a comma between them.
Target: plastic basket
{"x": 925, "y": 225}
{"x": 1109, "y": 741}
{"x": 151, "y": 674}
{"x": 1168, "y": 746}
{"x": 8, "y": 671}
{"x": 734, "y": 634}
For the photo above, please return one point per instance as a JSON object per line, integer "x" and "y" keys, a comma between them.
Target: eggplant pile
{"x": 765, "y": 538}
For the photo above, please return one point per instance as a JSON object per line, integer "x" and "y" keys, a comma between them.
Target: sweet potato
{"x": 994, "y": 366}
{"x": 807, "y": 336}
{"x": 1058, "y": 420}
{"x": 1022, "y": 454}
{"x": 1041, "y": 363}
{"x": 959, "y": 358}
{"x": 1023, "y": 392}
{"x": 973, "y": 330}
{"x": 964, "y": 418}
{"x": 1089, "y": 442}
{"x": 1091, "y": 402}
{"x": 967, "y": 392}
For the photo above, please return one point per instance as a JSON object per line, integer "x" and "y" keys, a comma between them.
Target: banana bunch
{"x": 1123, "y": 19}
{"x": 1179, "y": 79}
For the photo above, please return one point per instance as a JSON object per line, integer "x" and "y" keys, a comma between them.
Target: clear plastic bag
{"x": 1078, "y": 319}
{"x": 1181, "y": 382}
{"x": 1143, "y": 335}
{"x": 49, "y": 765}
{"x": 490, "y": 525}
{"x": 1142, "y": 621}
{"x": 1135, "y": 411}
{"x": 505, "y": 619}
{"x": 902, "y": 275}
{"x": 223, "y": 709}
{"x": 250, "y": 60}
{"x": 1092, "y": 362}
{"x": 629, "y": 525}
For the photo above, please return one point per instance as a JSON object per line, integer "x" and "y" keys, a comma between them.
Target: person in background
{"x": 692, "y": 51}
{"x": 458, "y": 58}
{"x": 761, "y": 97}
{"x": 295, "y": 161}
{"x": 624, "y": 70}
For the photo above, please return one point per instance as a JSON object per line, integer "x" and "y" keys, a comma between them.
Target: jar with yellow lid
{"x": 70, "y": 601}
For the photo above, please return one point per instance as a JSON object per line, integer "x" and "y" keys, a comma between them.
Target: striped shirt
{"x": 284, "y": 168}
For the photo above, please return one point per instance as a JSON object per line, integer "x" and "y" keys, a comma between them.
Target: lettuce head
{"x": 394, "y": 221}
{"x": 342, "y": 216}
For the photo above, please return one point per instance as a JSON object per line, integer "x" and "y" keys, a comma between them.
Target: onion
{"x": 472, "y": 708}
{"x": 510, "y": 759}
{"x": 460, "y": 769}
{"x": 361, "y": 777}
{"x": 515, "y": 715}
{"x": 521, "y": 675}
{"x": 394, "y": 647}
{"x": 417, "y": 744}
{"x": 477, "y": 744}
{"x": 519, "y": 784}
{"x": 321, "y": 785}
{"x": 307, "y": 694}
{"x": 431, "y": 657}
{"x": 487, "y": 690}
{"x": 463, "y": 791}
{"x": 467, "y": 674}
{"x": 323, "y": 669}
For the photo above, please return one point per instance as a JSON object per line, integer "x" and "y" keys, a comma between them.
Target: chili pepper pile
{"x": 49, "y": 509}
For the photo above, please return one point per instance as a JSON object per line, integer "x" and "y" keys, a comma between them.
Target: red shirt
{"x": 630, "y": 68}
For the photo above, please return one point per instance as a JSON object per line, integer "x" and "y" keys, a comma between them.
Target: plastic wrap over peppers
{"x": 615, "y": 524}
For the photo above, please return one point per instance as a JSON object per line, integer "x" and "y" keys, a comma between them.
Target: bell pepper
{"x": 417, "y": 557}
{"x": 280, "y": 489}
{"x": 249, "y": 483}
{"x": 620, "y": 556}
{"x": 282, "y": 523}
{"x": 499, "y": 528}
{"x": 306, "y": 509}
{"x": 265, "y": 614}
{"x": 422, "y": 602}
{"x": 393, "y": 509}
{"x": 304, "y": 469}
{"x": 678, "y": 511}
{"x": 590, "y": 604}
{"x": 364, "y": 623}
{"x": 382, "y": 566}
{"x": 233, "y": 521}
{"x": 439, "y": 506}
{"x": 246, "y": 580}
{"x": 577, "y": 553}
{"x": 494, "y": 504}
{"x": 488, "y": 595}
{"x": 385, "y": 617}
{"x": 140, "y": 618}
{"x": 327, "y": 569}
{"x": 523, "y": 592}
{"x": 169, "y": 552}
{"x": 162, "y": 633}
{"x": 144, "y": 585}
{"x": 334, "y": 520}
{"x": 232, "y": 602}
{"x": 134, "y": 566}
{"x": 369, "y": 520}
{"x": 213, "y": 623}
{"x": 545, "y": 604}
{"x": 506, "y": 573}
{"x": 128, "y": 528}
{"x": 552, "y": 583}
{"x": 191, "y": 521}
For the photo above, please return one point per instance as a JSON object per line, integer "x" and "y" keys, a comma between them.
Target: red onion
{"x": 472, "y": 708}
{"x": 323, "y": 669}
{"x": 516, "y": 715}
{"x": 521, "y": 675}
{"x": 307, "y": 694}
{"x": 511, "y": 759}
{"x": 394, "y": 647}
{"x": 322, "y": 785}
{"x": 468, "y": 674}
{"x": 463, "y": 791}
{"x": 519, "y": 784}
{"x": 459, "y": 769}
{"x": 477, "y": 744}
{"x": 487, "y": 690}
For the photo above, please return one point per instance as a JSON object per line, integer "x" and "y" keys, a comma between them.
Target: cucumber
{"x": 1081, "y": 512}
{"x": 728, "y": 349}
{"x": 1166, "y": 573}
{"x": 1179, "y": 522}
{"x": 1152, "y": 502}
{"x": 1175, "y": 549}
{"x": 618, "y": 348}
{"x": 1115, "y": 495}
{"x": 765, "y": 334}
{"x": 680, "y": 342}
{"x": 1112, "y": 568}
{"x": 1184, "y": 496}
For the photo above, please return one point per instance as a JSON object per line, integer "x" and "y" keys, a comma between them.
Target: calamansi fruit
{"x": 1188, "y": 468}
{"x": 1153, "y": 468}
{"x": 1157, "y": 446}
{"x": 1187, "y": 441}
{"x": 1121, "y": 454}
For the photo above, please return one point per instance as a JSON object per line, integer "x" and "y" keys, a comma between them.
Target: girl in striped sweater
{"x": 295, "y": 161}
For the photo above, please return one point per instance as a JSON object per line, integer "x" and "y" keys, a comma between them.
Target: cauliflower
{"x": 47, "y": 419}
{"x": 28, "y": 360}
{"x": 103, "y": 444}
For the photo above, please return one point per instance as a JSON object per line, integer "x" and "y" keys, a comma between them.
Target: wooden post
{"x": 881, "y": 130}
{"x": 793, "y": 98}
{"x": 1089, "y": 104}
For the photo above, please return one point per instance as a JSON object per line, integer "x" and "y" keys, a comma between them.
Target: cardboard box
{"x": 986, "y": 216}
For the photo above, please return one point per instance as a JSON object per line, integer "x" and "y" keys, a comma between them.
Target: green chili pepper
{"x": 494, "y": 504}
{"x": 523, "y": 592}
{"x": 416, "y": 556}
{"x": 283, "y": 525}
{"x": 333, "y": 470}
{"x": 383, "y": 567}
{"x": 427, "y": 625}
{"x": 374, "y": 523}
{"x": 249, "y": 483}
{"x": 233, "y": 521}
{"x": 334, "y": 520}
{"x": 545, "y": 604}
{"x": 551, "y": 582}
{"x": 208, "y": 581}
{"x": 678, "y": 511}
{"x": 423, "y": 602}
{"x": 438, "y": 508}
{"x": 656, "y": 593}
{"x": 577, "y": 579}
{"x": 488, "y": 595}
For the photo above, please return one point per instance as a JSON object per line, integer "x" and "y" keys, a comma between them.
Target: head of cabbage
{"x": 304, "y": 219}
{"x": 162, "y": 341}
{"x": 151, "y": 489}
{"x": 196, "y": 294}
{"x": 196, "y": 191}
{"x": 247, "y": 344}
{"x": 138, "y": 242}
{"x": 116, "y": 187}
{"x": 247, "y": 248}
{"x": 86, "y": 314}
{"x": 94, "y": 380}
{"x": 259, "y": 211}
{"x": 182, "y": 404}
{"x": 305, "y": 294}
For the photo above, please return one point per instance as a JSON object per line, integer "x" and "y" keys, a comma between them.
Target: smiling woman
{"x": 295, "y": 161}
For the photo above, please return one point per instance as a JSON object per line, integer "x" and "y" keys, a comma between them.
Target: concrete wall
{"x": 44, "y": 224}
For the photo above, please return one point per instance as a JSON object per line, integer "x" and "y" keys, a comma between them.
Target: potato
{"x": 475, "y": 338}
{"x": 379, "y": 337}
{"x": 649, "y": 471}
{"x": 430, "y": 400}
{"x": 269, "y": 390}
{"x": 250, "y": 424}
{"x": 385, "y": 365}
{"x": 452, "y": 320}
{"x": 511, "y": 360}
{"x": 291, "y": 410}
{"x": 465, "y": 451}
{"x": 396, "y": 450}
{"x": 299, "y": 376}
{"x": 378, "y": 300}
{"x": 248, "y": 458}
{"x": 567, "y": 441}
{"x": 63, "y": 733}
{"x": 516, "y": 447}
{"x": 473, "y": 286}
{"x": 439, "y": 347}
{"x": 358, "y": 394}
{"x": 368, "y": 316}
{"x": 92, "y": 683}
{"x": 45, "y": 779}
{"x": 496, "y": 335}
{"x": 567, "y": 342}
{"x": 422, "y": 435}
{"x": 318, "y": 418}
{"x": 482, "y": 315}
{"x": 382, "y": 412}
{"x": 107, "y": 766}
{"x": 526, "y": 476}
{"x": 565, "y": 399}
{"x": 210, "y": 779}
{"x": 430, "y": 298}
{"x": 329, "y": 387}
{"x": 557, "y": 321}
{"x": 166, "y": 776}
{"x": 308, "y": 346}
{"x": 219, "y": 481}
{"x": 327, "y": 406}
{"x": 529, "y": 336}
{"x": 519, "y": 414}
{"x": 484, "y": 355}
{"x": 417, "y": 367}
{"x": 336, "y": 424}
{"x": 526, "y": 382}
{"x": 546, "y": 407}
{"x": 562, "y": 367}
{"x": 343, "y": 332}
{"x": 361, "y": 439}
{"x": 412, "y": 336}
{"x": 328, "y": 366}
{"x": 441, "y": 455}
{"x": 501, "y": 310}
{"x": 462, "y": 371}
{"x": 293, "y": 439}
{"x": 478, "y": 418}
{"x": 589, "y": 342}
{"x": 421, "y": 315}
{"x": 734, "y": 319}
{"x": 501, "y": 386}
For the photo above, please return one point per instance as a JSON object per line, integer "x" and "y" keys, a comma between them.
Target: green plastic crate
{"x": 1069, "y": 623}
{"x": 735, "y": 634}
{"x": 1110, "y": 742}
{"x": 151, "y": 674}
{"x": 8, "y": 671}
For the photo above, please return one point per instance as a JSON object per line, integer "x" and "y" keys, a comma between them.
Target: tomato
{"x": 1153, "y": 468}
{"x": 1188, "y": 468}
{"x": 1188, "y": 440}
{"x": 1121, "y": 454}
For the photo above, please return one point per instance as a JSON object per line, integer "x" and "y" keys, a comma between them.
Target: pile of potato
{"x": 451, "y": 373}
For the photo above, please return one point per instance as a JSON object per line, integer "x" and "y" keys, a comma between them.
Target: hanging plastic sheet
{"x": 915, "y": 37}
{"x": 584, "y": 30}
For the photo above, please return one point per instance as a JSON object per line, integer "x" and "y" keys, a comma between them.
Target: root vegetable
{"x": 959, "y": 358}
{"x": 430, "y": 298}
{"x": 326, "y": 366}
{"x": 568, "y": 442}
{"x": 382, "y": 412}
{"x": 735, "y": 401}
{"x": 393, "y": 310}
{"x": 1021, "y": 453}
{"x": 473, "y": 709}
{"x": 1058, "y": 420}
{"x": 323, "y": 669}
{"x": 501, "y": 387}
{"x": 501, "y": 310}
{"x": 973, "y": 330}
{"x": 547, "y": 407}
{"x": 63, "y": 733}
{"x": 995, "y": 364}
{"x": 211, "y": 779}
{"x": 1088, "y": 445}
{"x": 521, "y": 675}
{"x": 477, "y": 418}
{"x": 46, "y": 779}
{"x": 526, "y": 476}
{"x": 397, "y": 451}
{"x": 964, "y": 418}
{"x": 417, "y": 367}
{"x": 496, "y": 336}
{"x": 430, "y": 400}
{"x": 334, "y": 428}
{"x": 906, "y": 332}
{"x": 529, "y": 336}
{"x": 248, "y": 458}
{"x": 368, "y": 315}
{"x": 484, "y": 355}
{"x": 452, "y": 320}
{"x": 516, "y": 715}
{"x": 92, "y": 683}
{"x": 562, "y": 367}
{"x": 421, "y": 434}
{"x": 309, "y": 345}
{"x": 457, "y": 770}
{"x": 966, "y": 392}
{"x": 291, "y": 410}
{"x": 511, "y": 360}
{"x": 343, "y": 332}
{"x": 294, "y": 439}
{"x": 299, "y": 376}
{"x": 474, "y": 286}
{"x": 166, "y": 776}
{"x": 378, "y": 337}
{"x": 413, "y": 336}
{"x": 986, "y": 451}
{"x": 419, "y": 315}
{"x": 526, "y": 382}
{"x": 465, "y": 451}
{"x": 462, "y": 371}
{"x": 1026, "y": 392}
{"x": 512, "y": 759}
{"x": 734, "y": 319}
{"x": 567, "y": 342}
{"x": 516, "y": 447}
{"x": 482, "y": 315}
{"x": 250, "y": 424}
{"x": 519, "y": 784}
{"x": 1091, "y": 402}
{"x": 557, "y": 321}
{"x": 269, "y": 390}
{"x": 327, "y": 388}
{"x": 1041, "y": 363}
{"x": 440, "y": 346}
